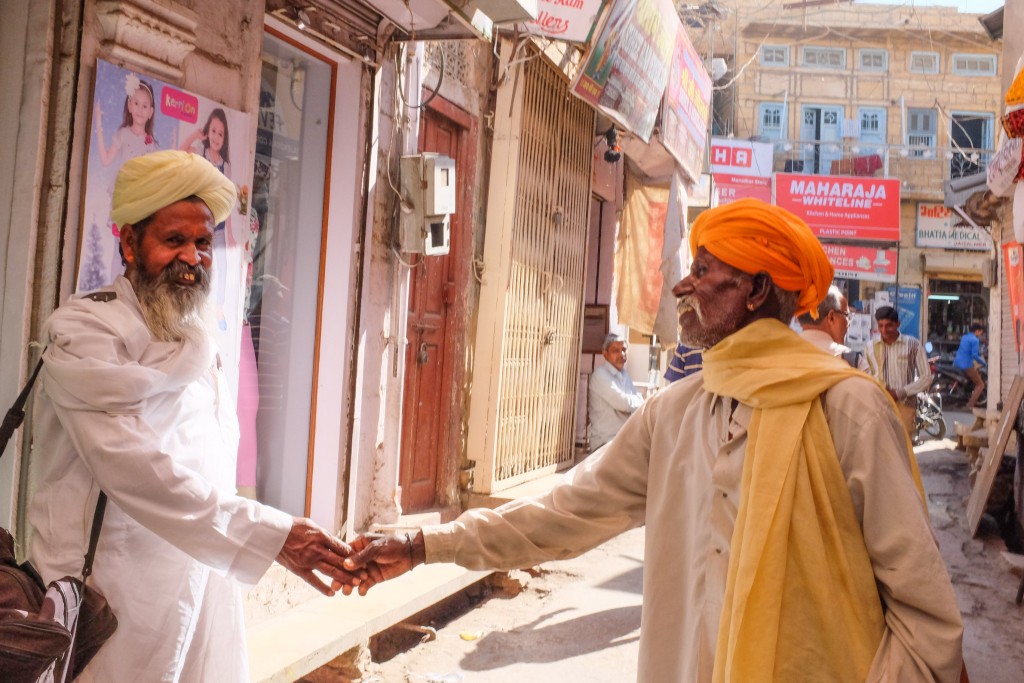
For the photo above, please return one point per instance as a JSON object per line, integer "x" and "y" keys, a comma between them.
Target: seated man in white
{"x": 828, "y": 332}
{"x": 613, "y": 398}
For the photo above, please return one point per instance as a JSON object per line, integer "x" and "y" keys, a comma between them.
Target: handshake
{"x": 361, "y": 565}
{"x": 377, "y": 558}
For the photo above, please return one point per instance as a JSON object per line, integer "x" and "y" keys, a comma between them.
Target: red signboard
{"x": 741, "y": 157}
{"x": 853, "y": 262}
{"x": 1015, "y": 287}
{"x": 686, "y": 107}
{"x": 843, "y": 207}
{"x": 732, "y": 187}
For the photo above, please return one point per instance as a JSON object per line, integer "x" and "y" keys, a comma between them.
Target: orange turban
{"x": 752, "y": 236}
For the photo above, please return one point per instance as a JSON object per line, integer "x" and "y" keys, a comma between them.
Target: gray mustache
{"x": 178, "y": 268}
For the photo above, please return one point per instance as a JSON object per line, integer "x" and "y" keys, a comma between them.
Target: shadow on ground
{"x": 533, "y": 643}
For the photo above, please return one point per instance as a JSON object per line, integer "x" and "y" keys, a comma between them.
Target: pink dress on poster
{"x": 248, "y": 404}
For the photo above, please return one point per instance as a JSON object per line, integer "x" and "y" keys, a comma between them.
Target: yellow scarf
{"x": 801, "y": 604}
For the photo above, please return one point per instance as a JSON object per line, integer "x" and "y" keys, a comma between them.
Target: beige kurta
{"x": 676, "y": 467}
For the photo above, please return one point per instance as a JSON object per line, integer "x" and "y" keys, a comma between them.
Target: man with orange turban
{"x": 134, "y": 405}
{"x": 787, "y": 536}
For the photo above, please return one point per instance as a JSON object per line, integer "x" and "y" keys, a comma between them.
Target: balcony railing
{"x": 921, "y": 169}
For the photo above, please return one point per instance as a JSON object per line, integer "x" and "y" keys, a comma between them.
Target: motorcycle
{"x": 954, "y": 386}
{"x": 929, "y": 421}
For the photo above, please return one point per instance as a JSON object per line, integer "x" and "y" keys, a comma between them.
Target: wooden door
{"x": 427, "y": 406}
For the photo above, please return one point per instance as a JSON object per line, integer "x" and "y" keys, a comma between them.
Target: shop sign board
{"x": 742, "y": 169}
{"x": 936, "y": 228}
{"x": 568, "y": 20}
{"x": 854, "y": 262}
{"x": 1013, "y": 254}
{"x": 686, "y": 107}
{"x": 843, "y": 207}
{"x": 626, "y": 70}
{"x": 734, "y": 187}
{"x": 742, "y": 157}
{"x": 908, "y": 306}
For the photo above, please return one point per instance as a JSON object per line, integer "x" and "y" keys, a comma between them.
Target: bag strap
{"x": 16, "y": 415}
{"x": 94, "y": 535}
{"x": 12, "y": 420}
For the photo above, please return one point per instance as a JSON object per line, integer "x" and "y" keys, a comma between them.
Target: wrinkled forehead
{"x": 712, "y": 262}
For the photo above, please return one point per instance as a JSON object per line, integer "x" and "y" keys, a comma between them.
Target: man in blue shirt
{"x": 684, "y": 362}
{"x": 968, "y": 360}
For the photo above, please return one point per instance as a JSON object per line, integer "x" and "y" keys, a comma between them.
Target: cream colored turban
{"x": 752, "y": 236}
{"x": 152, "y": 181}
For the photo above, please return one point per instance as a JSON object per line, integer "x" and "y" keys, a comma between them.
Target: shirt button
{"x": 718, "y": 551}
{"x": 724, "y": 494}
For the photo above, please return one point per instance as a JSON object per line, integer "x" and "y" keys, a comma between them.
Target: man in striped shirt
{"x": 685, "y": 361}
{"x": 900, "y": 363}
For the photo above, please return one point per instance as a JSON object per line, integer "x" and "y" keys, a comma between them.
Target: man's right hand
{"x": 310, "y": 547}
{"x": 384, "y": 557}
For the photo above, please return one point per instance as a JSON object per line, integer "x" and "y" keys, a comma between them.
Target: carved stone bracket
{"x": 154, "y": 35}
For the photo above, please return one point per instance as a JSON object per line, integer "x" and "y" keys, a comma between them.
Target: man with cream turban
{"x": 787, "y": 538}
{"x": 133, "y": 402}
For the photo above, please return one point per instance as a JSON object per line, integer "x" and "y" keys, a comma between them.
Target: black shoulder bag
{"x": 53, "y": 630}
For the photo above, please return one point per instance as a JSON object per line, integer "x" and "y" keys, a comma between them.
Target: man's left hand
{"x": 310, "y": 547}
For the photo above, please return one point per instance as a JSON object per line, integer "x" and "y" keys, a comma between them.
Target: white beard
{"x": 174, "y": 313}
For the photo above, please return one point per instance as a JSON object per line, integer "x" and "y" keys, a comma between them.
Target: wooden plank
{"x": 990, "y": 466}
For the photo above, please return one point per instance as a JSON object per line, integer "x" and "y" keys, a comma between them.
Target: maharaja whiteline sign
{"x": 936, "y": 228}
{"x": 843, "y": 207}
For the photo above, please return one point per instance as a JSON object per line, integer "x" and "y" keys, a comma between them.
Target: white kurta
{"x": 153, "y": 425}
{"x": 613, "y": 398}
{"x": 676, "y": 466}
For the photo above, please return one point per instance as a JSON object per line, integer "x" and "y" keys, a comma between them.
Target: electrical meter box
{"x": 428, "y": 200}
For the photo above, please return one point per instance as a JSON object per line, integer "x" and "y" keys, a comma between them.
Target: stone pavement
{"x": 983, "y": 580}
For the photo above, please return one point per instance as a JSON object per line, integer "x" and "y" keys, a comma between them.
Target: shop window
{"x": 873, "y": 60}
{"x": 924, "y": 62}
{"x": 775, "y": 55}
{"x": 824, "y": 57}
{"x": 974, "y": 65}
{"x": 771, "y": 121}
{"x": 281, "y": 306}
{"x": 952, "y": 306}
{"x": 921, "y": 128}
{"x": 871, "y": 125}
{"x": 970, "y": 136}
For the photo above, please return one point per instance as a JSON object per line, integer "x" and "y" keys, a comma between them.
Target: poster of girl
{"x": 125, "y": 124}
{"x": 135, "y": 136}
{"x": 213, "y": 143}
{"x": 134, "y": 114}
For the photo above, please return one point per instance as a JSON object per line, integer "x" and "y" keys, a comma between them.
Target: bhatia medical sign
{"x": 843, "y": 207}
{"x": 936, "y": 228}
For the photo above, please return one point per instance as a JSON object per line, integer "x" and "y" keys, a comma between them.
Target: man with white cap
{"x": 133, "y": 403}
